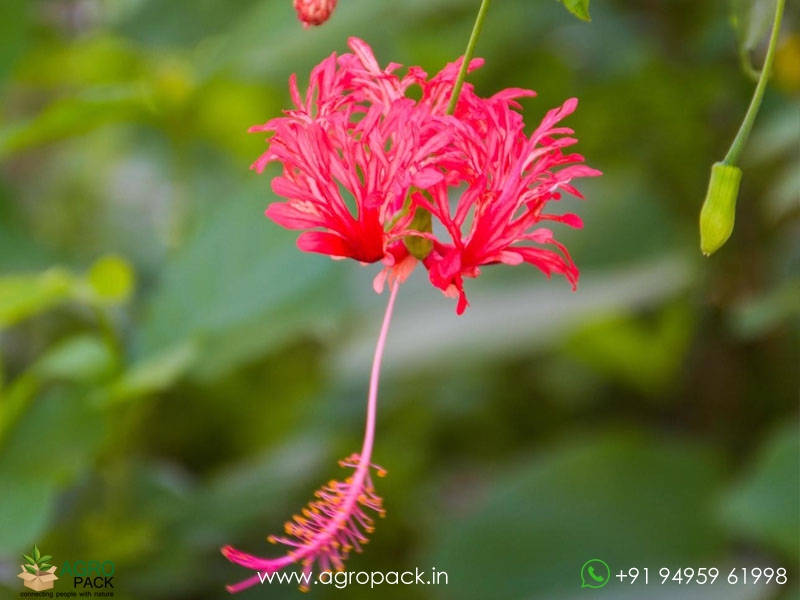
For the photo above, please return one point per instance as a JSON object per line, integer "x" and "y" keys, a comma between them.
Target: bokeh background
{"x": 176, "y": 375}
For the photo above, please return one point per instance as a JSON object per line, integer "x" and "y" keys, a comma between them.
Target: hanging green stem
{"x": 468, "y": 53}
{"x": 718, "y": 214}
{"x": 747, "y": 125}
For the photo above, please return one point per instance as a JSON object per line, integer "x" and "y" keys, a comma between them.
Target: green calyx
{"x": 420, "y": 247}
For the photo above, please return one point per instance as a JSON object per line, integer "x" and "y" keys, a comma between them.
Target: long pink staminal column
{"x": 336, "y": 523}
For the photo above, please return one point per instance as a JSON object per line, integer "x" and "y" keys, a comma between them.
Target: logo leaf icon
{"x": 30, "y": 570}
{"x": 29, "y": 559}
{"x": 36, "y": 553}
{"x": 44, "y": 566}
{"x": 45, "y": 558}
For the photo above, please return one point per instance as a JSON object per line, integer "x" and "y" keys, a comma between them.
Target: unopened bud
{"x": 314, "y": 12}
{"x": 719, "y": 209}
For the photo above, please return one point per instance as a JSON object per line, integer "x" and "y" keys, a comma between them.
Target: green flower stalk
{"x": 719, "y": 209}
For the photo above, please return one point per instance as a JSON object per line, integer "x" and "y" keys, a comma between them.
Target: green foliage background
{"x": 194, "y": 388}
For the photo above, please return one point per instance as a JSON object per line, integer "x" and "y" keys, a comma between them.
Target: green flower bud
{"x": 418, "y": 246}
{"x": 719, "y": 209}
{"x": 111, "y": 279}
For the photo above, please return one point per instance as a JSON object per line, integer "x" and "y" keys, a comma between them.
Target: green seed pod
{"x": 719, "y": 209}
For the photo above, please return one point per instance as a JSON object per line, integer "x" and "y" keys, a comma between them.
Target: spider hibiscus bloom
{"x": 351, "y": 151}
{"x": 510, "y": 178}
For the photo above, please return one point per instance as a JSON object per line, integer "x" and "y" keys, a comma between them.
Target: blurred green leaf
{"x": 23, "y": 296}
{"x": 757, "y": 316}
{"x": 31, "y": 570}
{"x": 247, "y": 104}
{"x": 241, "y": 287}
{"x": 99, "y": 58}
{"x": 776, "y": 136}
{"x": 14, "y": 33}
{"x": 151, "y": 375}
{"x": 764, "y": 506}
{"x": 81, "y": 358}
{"x": 36, "y": 553}
{"x": 594, "y": 496}
{"x": 247, "y": 491}
{"x": 30, "y": 559}
{"x": 659, "y": 346}
{"x": 112, "y": 279}
{"x": 15, "y": 399}
{"x": 59, "y": 420}
{"x": 74, "y": 116}
{"x": 775, "y": 141}
{"x": 784, "y": 197}
{"x": 45, "y": 558}
{"x": 579, "y": 8}
{"x": 20, "y": 252}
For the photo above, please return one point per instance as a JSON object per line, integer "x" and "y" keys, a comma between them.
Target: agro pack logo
{"x": 37, "y": 574}
{"x": 91, "y": 575}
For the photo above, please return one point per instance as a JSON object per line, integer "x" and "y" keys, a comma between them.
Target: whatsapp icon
{"x": 595, "y": 574}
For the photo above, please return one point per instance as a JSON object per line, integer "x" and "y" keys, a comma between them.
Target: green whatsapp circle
{"x": 595, "y": 574}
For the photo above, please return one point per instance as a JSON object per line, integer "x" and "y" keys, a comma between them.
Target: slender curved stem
{"x": 372, "y": 402}
{"x": 747, "y": 125}
{"x": 470, "y": 51}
